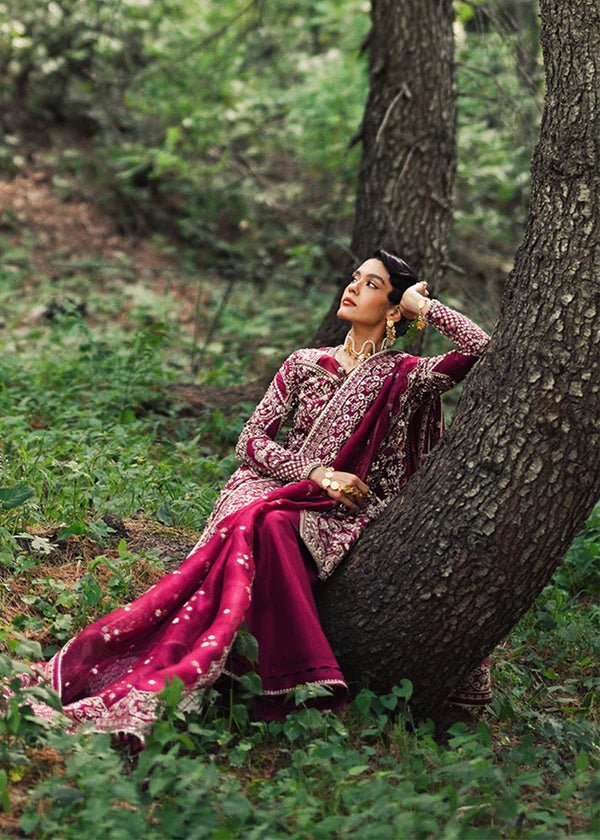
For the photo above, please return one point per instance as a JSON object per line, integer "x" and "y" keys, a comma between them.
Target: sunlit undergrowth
{"x": 91, "y": 436}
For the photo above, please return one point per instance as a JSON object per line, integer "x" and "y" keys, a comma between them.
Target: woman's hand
{"x": 413, "y": 298}
{"x": 351, "y": 491}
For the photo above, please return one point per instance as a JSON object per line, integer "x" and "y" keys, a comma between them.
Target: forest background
{"x": 177, "y": 194}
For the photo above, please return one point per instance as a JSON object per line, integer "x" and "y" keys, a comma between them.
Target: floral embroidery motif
{"x": 439, "y": 373}
{"x": 256, "y": 446}
{"x": 476, "y": 688}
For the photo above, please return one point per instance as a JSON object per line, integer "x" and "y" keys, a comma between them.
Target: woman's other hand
{"x": 413, "y": 298}
{"x": 351, "y": 490}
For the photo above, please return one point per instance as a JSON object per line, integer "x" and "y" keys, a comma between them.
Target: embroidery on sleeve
{"x": 257, "y": 447}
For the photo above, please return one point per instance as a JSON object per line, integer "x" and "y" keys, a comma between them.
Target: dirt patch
{"x": 158, "y": 549}
{"x": 71, "y": 226}
{"x": 55, "y": 233}
{"x": 194, "y": 399}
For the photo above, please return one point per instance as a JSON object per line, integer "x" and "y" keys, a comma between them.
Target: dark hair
{"x": 401, "y": 274}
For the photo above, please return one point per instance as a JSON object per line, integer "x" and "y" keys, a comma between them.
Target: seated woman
{"x": 361, "y": 416}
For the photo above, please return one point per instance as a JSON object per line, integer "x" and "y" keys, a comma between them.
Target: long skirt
{"x": 292, "y": 647}
{"x": 282, "y": 616}
{"x": 255, "y": 571}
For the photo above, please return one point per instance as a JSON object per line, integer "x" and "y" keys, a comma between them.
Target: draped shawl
{"x": 379, "y": 424}
{"x": 110, "y": 673}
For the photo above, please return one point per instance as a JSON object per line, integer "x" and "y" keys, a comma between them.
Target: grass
{"x": 91, "y": 437}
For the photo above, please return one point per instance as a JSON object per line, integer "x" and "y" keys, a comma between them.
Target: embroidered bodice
{"x": 320, "y": 404}
{"x": 309, "y": 378}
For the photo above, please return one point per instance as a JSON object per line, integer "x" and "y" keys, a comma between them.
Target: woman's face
{"x": 365, "y": 298}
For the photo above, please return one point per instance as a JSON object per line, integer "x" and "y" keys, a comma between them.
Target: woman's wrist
{"x": 324, "y": 477}
{"x": 417, "y": 309}
{"x": 429, "y": 311}
{"x": 317, "y": 474}
{"x": 422, "y": 308}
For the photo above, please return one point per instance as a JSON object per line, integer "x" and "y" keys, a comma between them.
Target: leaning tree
{"x": 408, "y": 145}
{"x": 450, "y": 567}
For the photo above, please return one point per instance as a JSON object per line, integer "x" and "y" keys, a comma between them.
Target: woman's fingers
{"x": 348, "y": 502}
{"x": 351, "y": 490}
{"x": 362, "y": 486}
{"x": 339, "y": 496}
{"x": 355, "y": 482}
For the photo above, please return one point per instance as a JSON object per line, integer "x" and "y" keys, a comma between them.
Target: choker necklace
{"x": 364, "y": 351}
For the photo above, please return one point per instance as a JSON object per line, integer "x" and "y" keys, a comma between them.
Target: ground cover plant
{"x": 105, "y": 483}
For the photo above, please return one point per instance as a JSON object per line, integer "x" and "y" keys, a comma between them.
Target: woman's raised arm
{"x": 256, "y": 446}
{"x": 440, "y": 373}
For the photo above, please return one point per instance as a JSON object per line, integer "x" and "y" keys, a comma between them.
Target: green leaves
{"x": 15, "y": 496}
{"x": 307, "y": 776}
{"x": 251, "y": 683}
{"x": 4, "y": 793}
{"x": 246, "y": 645}
{"x": 367, "y": 703}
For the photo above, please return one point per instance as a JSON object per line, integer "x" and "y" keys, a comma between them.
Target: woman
{"x": 361, "y": 418}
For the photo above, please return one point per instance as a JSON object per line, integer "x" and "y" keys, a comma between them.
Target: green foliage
{"x": 78, "y": 441}
{"x": 580, "y": 573}
{"x": 13, "y": 497}
{"x": 315, "y": 775}
{"x": 499, "y": 113}
{"x": 219, "y": 120}
{"x": 229, "y": 122}
{"x": 528, "y": 769}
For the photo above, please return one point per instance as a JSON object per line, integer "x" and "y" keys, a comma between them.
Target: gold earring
{"x": 390, "y": 332}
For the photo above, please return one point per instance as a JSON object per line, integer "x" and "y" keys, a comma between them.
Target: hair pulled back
{"x": 401, "y": 274}
{"x": 401, "y": 277}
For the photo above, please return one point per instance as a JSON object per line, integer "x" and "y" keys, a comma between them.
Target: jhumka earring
{"x": 390, "y": 333}
{"x": 421, "y": 323}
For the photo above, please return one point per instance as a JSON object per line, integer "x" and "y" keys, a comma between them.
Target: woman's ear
{"x": 395, "y": 314}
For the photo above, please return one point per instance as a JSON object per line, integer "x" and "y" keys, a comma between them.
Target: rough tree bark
{"x": 408, "y": 164}
{"x": 452, "y": 565}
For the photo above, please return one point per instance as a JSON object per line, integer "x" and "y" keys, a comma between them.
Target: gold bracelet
{"x": 327, "y": 481}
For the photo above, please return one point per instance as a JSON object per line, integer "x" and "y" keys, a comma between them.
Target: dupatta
{"x": 110, "y": 673}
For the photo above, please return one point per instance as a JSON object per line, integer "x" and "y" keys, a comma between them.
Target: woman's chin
{"x": 342, "y": 314}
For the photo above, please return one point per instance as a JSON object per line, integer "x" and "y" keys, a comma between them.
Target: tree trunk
{"x": 408, "y": 165}
{"x": 451, "y": 566}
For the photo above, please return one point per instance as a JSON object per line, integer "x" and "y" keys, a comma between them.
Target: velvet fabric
{"x": 282, "y": 616}
{"x": 185, "y": 626}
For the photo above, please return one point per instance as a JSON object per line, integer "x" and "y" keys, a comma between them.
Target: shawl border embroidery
{"x": 330, "y": 536}
{"x": 347, "y": 406}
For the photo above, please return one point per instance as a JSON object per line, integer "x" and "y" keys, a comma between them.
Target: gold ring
{"x": 352, "y": 491}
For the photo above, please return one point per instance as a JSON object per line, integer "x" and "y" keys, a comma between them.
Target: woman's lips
{"x": 348, "y": 302}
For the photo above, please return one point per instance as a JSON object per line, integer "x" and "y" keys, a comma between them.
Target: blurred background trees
{"x": 405, "y": 189}
{"x": 233, "y": 125}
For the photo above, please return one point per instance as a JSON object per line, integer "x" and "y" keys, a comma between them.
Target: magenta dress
{"x": 272, "y": 538}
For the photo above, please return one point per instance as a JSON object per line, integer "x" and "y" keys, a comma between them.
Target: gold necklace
{"x": 362, "y": 354}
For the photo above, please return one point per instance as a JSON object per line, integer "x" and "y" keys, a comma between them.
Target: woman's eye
{"x": 372, "y": 285}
